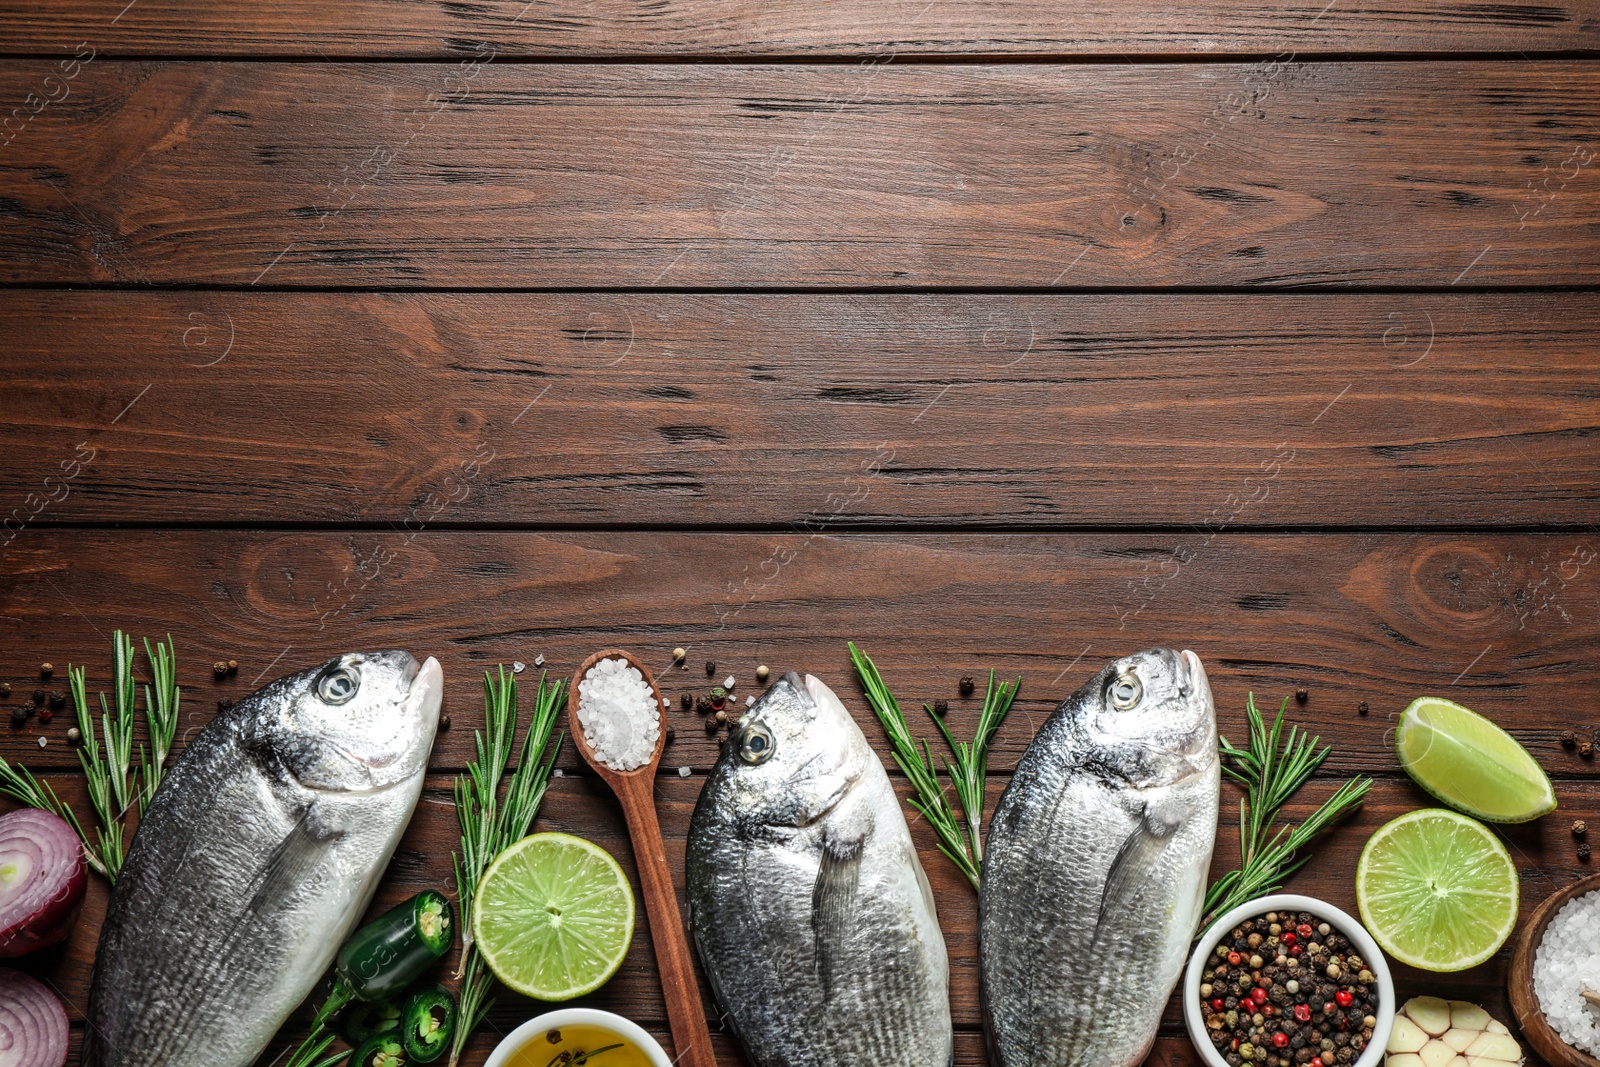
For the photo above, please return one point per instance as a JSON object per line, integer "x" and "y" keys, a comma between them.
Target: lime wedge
{"x": 1470, "y": 763}
{"x": 1437, "y": 890}
{"x": 553, "y": 916}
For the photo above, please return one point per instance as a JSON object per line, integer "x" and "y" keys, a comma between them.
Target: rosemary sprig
{"x": 966, "y": 766}
{"x": 491, "y": 821}
{"x": 115, "y": 783}
{"x": 1271, "y": 770}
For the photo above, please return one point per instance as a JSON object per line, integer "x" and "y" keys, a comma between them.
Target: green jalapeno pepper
{"x": 390, "y": 952}
{"x": 427, "y": 1023}
{"x": 363, "y": 1022}
{"x": 385, "y": 1050}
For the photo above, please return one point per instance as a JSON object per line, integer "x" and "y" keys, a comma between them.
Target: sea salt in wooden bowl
{"x": 1519, "y": 981}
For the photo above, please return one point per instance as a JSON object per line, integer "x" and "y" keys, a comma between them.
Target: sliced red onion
{"x": 33, "y": 1024}
{"x": 43, "y": 877}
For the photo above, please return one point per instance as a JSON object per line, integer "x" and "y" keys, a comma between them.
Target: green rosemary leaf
{"x": 490, "y": 821}
{"x": 1271, "y": 771}
{"x": 966, "y": 765}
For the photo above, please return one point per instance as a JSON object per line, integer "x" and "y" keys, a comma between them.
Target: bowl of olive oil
{"x": 578, "y": 1037}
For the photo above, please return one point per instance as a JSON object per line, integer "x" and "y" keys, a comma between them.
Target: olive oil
{"x": 579, "y": 1041}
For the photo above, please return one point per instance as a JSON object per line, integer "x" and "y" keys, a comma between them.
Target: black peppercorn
{"x": 58, "y": 699}
{"x": 444, "y": 723}
{"x": 672, "y": 735}
{"x": 702, "y": 704}
{"x": 711, "y": 666}
{"x": 711, "y": 724}
{"x": 966, "y": 685}
{"x": 1583, "y": 852}
{"x": 1361, "y": 708}
{"x": 1301, "y": 696}
{"x": 38, "y": 697}
{"x": 19, "y": 715}
{"x": 686, "y": 702}
{"x": 5, "y": 689}
{"x": 941, "y": 707}
{"x": 1569, "y": 740}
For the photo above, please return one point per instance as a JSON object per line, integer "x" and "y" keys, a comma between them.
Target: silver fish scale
{"x": 886, "y": 1000}
{"x": 239, "y": 887}
{"x": 1075, "y": 975}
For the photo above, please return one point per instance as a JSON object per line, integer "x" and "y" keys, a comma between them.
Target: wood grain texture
{"x": 485, "y": 175}
{"x": 1543, "y": 852}
{"x": 705, "y": 28}
{"x": 672, "y": 409}
{"x": 1507, "y": 623}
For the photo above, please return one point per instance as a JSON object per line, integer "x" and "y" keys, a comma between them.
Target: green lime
{"x": 1470, "y": 763}
{"x": 553, "y": 916}
{"x": 1437, "y": 890}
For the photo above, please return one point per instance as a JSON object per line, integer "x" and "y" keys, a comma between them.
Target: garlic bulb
{"x": 1429, "y": 1032}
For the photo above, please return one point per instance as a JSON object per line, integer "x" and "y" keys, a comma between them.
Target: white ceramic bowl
{"x": 1365, "y": 947}
{"x": 555, "y": 1020}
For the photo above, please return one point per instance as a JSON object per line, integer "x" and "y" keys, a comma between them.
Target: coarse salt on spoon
{"x": 634, "y": 786}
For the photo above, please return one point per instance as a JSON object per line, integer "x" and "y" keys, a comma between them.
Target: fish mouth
{"x": 1194, "y": 673}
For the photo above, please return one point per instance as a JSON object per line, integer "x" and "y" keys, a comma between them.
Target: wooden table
{"x": 1017, "y": 335}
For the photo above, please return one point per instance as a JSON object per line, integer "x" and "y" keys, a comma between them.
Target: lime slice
{"x": 1437, "y": 890}
{"x": 553, "y": 916}
{"x": 1470, "y": 763}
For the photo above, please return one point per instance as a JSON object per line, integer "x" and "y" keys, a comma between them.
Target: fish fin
{"x": 1137, "y": 855}
{"x": 293, "y": 858}
{"x": 833, "y": 901}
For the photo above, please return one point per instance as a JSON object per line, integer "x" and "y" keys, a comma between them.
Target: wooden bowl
{"x": 1524, "y": 1005}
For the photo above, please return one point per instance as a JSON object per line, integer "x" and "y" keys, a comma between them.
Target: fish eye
{"x": 338, "y": 685}
{"x": 756, "y": 743}
{"x": 1126, "y": 691}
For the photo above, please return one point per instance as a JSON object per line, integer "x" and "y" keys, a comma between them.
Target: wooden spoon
{"x": 635, "y": 789}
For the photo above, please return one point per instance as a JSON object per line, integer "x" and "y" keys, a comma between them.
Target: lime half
{"x": 1470, "y": 763}
{"x": 553, "y": 916}
{"x": 1437, "y": 890}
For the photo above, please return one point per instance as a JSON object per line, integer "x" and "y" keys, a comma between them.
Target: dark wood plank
{"x": 899, "y": 29}
{"x": 1507, "y": 623}
{"x": 505, "y": 175}
{"x": 1543, "y": 851}
{"x": 769, "y": 409}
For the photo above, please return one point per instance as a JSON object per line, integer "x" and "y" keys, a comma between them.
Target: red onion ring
{"x": 33, "y": 1024}
{"x": 43, "y": 878}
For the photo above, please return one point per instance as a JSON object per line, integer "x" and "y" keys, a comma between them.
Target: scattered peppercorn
{"x": 5, "y": 689}
{"x": 762, "y": 674}
{"x": 58, "y": 699}
{"x": 941, "y": 708}
{"x": 1301, "y": 696}
{"x": 1586, "y": 750}
{"x": 45, "y": 714}
{"x": 46, "y": 670}
{"x": 1583, "y": 852}
{"x": 711, "y": 724}
{"x": 702, "y": 704}
{"x": 711, "y": 666}
{"x": 444, "y": 723}
{"x": 233, "y": 666}
{"x": 38, "y": 697}
{"x": 719, "y": 696}
{"x": 1569, "y": 740}
{"x": 679, "y": 655}
{"x": 672, "y": 735}
{"x": 721, "y": 716}
{"x": 73, "y": 735}
{"x": 19, "y": 716}
{"x": 1361, "y": 708}
{"x": 686, "y": 701}
{"x": 220, "y": 668}
{"x": 966, "y": 685}
{"x": 1579, "y": 827}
